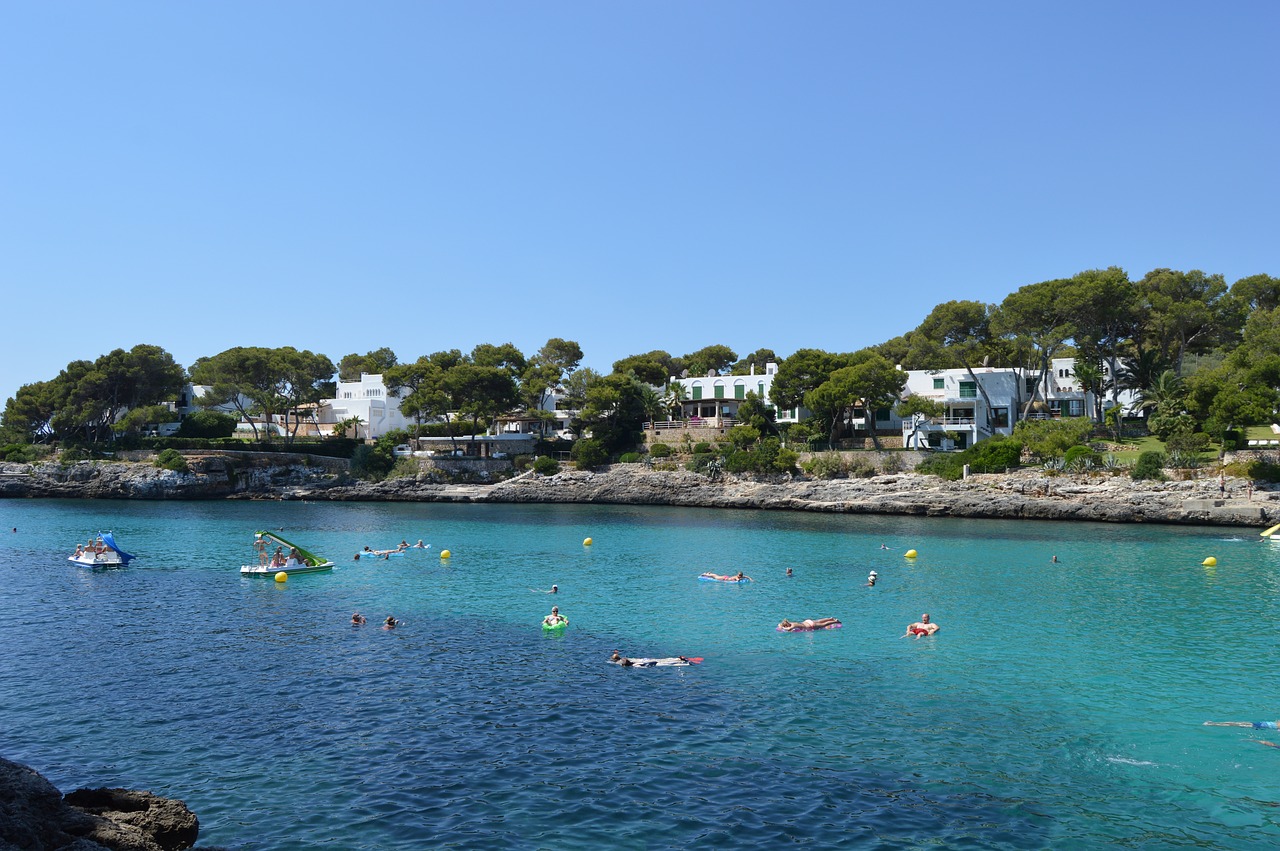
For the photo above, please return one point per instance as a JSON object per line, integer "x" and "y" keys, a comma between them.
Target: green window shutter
{"x": 739, "y": 391}
{"x": 719, "y": 391}
{"x": 697, "y": 391}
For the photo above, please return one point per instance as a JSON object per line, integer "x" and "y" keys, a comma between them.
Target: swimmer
{"x": 883, "y": 547}
{"x": 789, "y": 573}
{"x": 620, "y": 660}
{"x": 871, "y": 579}
{"x": 808, "y": 624}
{"x": 921, "y": 627}
{"x": 391, "y": 623}
{"x": 555, "y": 618}
{"x": 357, "y": 558}
{"x": 420, "y": 545}
{"x": 1055, "y": 559}
{"x": 357, "y": 619}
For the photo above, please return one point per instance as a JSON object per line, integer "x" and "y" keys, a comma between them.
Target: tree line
{"x": 1201, "y": 355}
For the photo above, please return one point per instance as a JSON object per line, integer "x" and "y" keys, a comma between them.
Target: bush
{"x": 944, "y": 465}
{"x": 1263, "y": 471}
{"x": 522, "y": 462}
{"x": 171, "y": 459}
{"x": 826, "y": 467}
{"x": 660, "y": 450}
{"x": 1081, "y": 457}
{"x": 1150, "y": 466}
{"x": 701, "y": 447}
{"x": 994, "y": 455}
{"x": 1187, "y": 442}
{"x": 1047, "y": 438}
{"x": 545, "y": 465}
{"x": 698, "y": 463}
{"x": 22, "y": 453}
{"x": 371, "y": 462}
{"x": 629, "y": 458}
{"x": 207, "y": 424}
{"x": 588, "y": 454}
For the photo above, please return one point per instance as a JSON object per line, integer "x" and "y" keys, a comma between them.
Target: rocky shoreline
{"x": 1024, "y": 494}
{"x": 35, "y": 816}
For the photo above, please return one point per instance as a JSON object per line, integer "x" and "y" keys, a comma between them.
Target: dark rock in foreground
{"x": 34, "y": 816}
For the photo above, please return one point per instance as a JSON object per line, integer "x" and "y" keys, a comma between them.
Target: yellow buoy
{"x": 445, "y": 554}
{"x": 586, "y": 542}
{"x": 282, "y": 577}
{"x": 1209, "y": 562}
{"x": 910, "y": 554}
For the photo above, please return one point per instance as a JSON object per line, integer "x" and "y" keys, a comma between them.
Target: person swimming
{"x": 921, "y": 627}
{"x": 808, "y": 624}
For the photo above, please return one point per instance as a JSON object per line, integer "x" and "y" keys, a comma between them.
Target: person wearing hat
{"x": 390, "y": 622}
{"x": 871, "y": 579}
{"x": 555, "y": 618}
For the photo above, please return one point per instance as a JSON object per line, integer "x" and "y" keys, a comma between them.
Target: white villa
{"x": 714, "y": 399}
{"x": 970, "y": 419}
{"x": 367, "y": 398}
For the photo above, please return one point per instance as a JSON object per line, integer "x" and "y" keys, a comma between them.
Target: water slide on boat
{"x": 101, "y": 552}
{"x": 307, "y": 562}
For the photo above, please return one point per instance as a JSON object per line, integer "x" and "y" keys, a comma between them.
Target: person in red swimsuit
{"x": 921, "y": 627}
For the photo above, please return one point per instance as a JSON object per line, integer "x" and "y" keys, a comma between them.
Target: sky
{"x": 341, "y": 177}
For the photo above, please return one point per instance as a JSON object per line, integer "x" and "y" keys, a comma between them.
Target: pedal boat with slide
{"x": 308, "y": 562}
{"x": 103, "y": 553}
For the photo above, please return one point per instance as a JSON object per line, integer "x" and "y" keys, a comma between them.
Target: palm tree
{"x": 1169, "y": 387}
{"x": 673, "y": 400}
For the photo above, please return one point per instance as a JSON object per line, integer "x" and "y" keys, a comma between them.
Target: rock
{"x": 1029, "y": 494}
{"x": 35, "y": 816}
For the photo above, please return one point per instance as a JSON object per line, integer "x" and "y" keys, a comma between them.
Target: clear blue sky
{"x": 633, "y": 176}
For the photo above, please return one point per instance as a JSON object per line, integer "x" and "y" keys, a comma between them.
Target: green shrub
{"x": 826, "y": 467}
{"x": 1079, "y": 457}
{"x": 1187, "y": 442}
{"x": 698, "y": 463}
{"x": 702, "y": 447}
{"x": 994, "y": 455}
{"x": 1263, "y": 471}
{"x": 171, "y": 459}
{"x": 1150, "y": 466}
{"x": 629, "y": 458}
{"x": 545, "y": 465}
{"x": 1048, "y": 438}
{"x": 944, "y": 465}
{"x": 207, "y": 424}
{"x": 588, "y": 454}
{"x": 861, "y": 468}
{"x": 21, "y": 453}
{"x": 660, "y": 450}
{"x": 371, "y": 462}
{"x": 522, "y": 462}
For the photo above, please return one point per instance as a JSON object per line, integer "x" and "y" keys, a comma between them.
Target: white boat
{"x": 306, "y": 561}
{"x": 101, "y": 552}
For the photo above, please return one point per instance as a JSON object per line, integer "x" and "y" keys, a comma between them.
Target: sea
{"x": 1061, "y": 704}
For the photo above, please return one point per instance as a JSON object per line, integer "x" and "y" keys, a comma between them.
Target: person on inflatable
{"x": 921, "y": 627}
{"x": 808, "y": 624}
{"x": 555, "y": 618}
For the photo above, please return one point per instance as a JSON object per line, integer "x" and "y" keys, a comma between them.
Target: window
{"x": 939, "y": 383}
{"x": 739, "y": 391}
{"x": 697, "y": 391}
{"x": 1000, "y": 417}
{"x": 882, "y": 415}
{"x": 968, "y": 390}
{"x": 1031, "y": 385}
{"x": 760, "y": 389}
{"x": 719, "y": 390}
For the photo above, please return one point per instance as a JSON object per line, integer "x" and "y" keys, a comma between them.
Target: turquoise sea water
{"x": 1061, "y": 705}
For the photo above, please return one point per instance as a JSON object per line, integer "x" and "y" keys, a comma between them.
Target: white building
{"x": 368, "y": 399}
{"x": 714, "y": 399}
{"x": 991, "y": 401}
